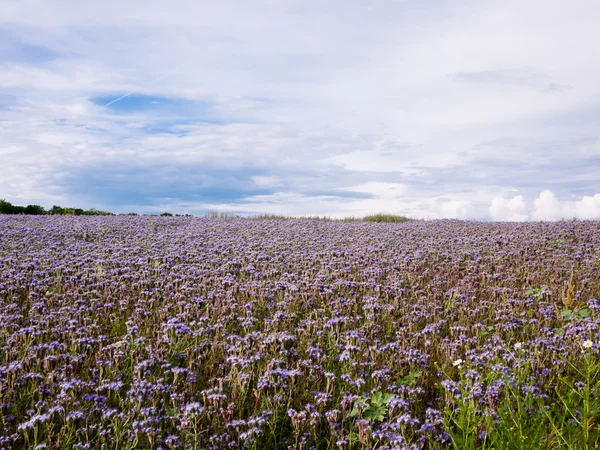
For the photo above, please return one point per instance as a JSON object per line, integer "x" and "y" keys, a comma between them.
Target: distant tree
{"x": 6, "y": 207}
{"x": 35, "y": 210}
{"x": 166, "y": 214}
{"x": 9, "y": 208}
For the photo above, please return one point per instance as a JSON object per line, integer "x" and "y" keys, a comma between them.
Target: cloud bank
{"x": 461, "y": 109}
{"x": 546, "y": 207}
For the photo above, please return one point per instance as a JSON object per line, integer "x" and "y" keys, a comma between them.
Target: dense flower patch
{"x": 146, "y": 332}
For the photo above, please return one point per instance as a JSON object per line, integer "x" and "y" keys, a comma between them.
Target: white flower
{"x": 587, "y": 344}
{"x": 458, "y": 362}
{"x": 518, "y": 346}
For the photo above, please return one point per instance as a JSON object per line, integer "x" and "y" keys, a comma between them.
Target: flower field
{"x": 179, "y": 332}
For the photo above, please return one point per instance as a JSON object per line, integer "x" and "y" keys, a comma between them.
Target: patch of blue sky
{"x": 15, "y": 50}
{"x": 6, "y": 101}
{"x": 143, "y": 185}
{"x": 141, "y": 102}
{"x": 164, "y": 113}
{"x": 117, "y": 196}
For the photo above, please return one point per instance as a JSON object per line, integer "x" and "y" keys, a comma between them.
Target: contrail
{"x": 152, "y": 82}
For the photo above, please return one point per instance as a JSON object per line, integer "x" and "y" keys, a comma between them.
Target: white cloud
{"x": 266, "y": 182}
{"x": 453, "y": 209}
{"x": 548, "y": 207}
{"x": 513, "y": 210}
{"x": 588, "y": 207}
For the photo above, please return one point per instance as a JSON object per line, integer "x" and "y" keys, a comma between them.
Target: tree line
{"x": 9, "y": 208}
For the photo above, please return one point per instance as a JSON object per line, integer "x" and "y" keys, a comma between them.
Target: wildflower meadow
{"x": 213, "y": 333}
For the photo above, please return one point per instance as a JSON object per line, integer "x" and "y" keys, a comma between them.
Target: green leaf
{"x": 375, "y": 413}
{"x": 529, "y": 292}
{"x": 387, "y": 398}
{"x": 410, "y": 379}
{"x": 355, "y": 411}
{"x": 559, "y": 331}
{"x": 359, "y": 404}
{"x": 407, "y": 380}
{"x": 377, "y": 399}
{"x": 584, "y": 313}
{"x": 566, "y": 314}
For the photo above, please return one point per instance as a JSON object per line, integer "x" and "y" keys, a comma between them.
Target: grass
{"x": 387, "y": 218}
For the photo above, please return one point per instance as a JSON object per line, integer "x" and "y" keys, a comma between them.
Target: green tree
{"x": 35, "y": 210}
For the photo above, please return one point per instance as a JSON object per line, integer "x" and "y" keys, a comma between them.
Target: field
{"x": 179, "y": 332}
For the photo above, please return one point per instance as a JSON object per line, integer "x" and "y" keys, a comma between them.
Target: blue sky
{"x": 467, "y": 109}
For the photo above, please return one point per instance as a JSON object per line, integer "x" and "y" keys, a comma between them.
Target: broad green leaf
{"x": 377, "y": 399}
{"x": 375, "y": 413}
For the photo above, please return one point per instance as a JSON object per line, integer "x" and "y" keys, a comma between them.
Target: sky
{"x": 468, "y": 109}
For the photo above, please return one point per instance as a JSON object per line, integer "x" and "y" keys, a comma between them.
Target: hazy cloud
{"x": 511, "y": 77}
